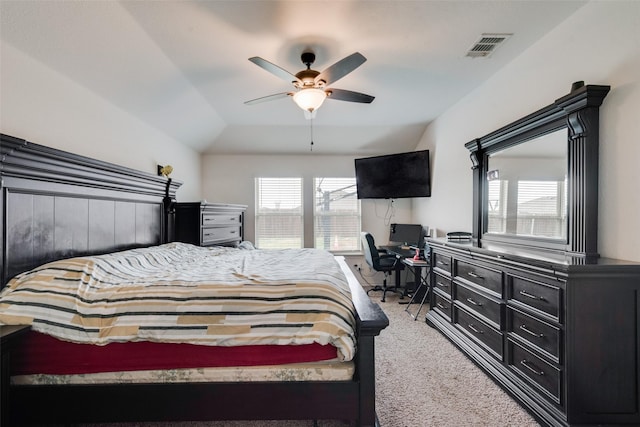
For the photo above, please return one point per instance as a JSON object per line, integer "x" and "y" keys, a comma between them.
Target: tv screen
{"x": 394, "y": 176}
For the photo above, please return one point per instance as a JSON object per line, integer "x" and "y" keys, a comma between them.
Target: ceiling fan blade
{"x": 268, "y": 98}
{"x": 274, "y": 69}
{"x": 341, "y": 68}
{"x": 348, "y": 95}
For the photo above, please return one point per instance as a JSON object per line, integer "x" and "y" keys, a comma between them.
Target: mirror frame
{"x": 579, "y": 113}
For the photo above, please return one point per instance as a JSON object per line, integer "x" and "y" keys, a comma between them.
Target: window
{"x": 539, "y": 208}
{"x": 336, "y": 218}
{"x": 497, "y": 204}
{"x": 279, "y": 213}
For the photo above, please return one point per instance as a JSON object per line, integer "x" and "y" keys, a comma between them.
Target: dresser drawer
{"x": 442, "y": 283}
{"x": 220, "y": 234}
{"x": 480, "y": 331}
{"x": 216, "y": 219}
{"x": 481, "y": 276}
{"x": 539, "y": 373}
{"x": 480, "y": 305}
{"x": 542, "y": 336}
{"x": 442, "y": 305}
{"x": 537, "y": 295}
{"x": 442, "y": 262}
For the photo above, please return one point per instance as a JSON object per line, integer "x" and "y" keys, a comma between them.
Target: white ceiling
{"x": 182, "y": 66}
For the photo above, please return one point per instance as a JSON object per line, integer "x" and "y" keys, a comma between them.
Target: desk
{"x": 399, "y": 251}
{"x": 406, "y": 253}
{"x": 416, "y": 267}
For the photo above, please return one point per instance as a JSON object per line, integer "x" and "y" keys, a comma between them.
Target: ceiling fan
{"x": 311, "y": 86}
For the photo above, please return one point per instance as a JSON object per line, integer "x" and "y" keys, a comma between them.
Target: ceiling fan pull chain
{"x": 311, "y": 125}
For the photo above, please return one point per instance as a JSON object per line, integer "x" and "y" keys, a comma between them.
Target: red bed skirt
{"x": 43, "y": 354}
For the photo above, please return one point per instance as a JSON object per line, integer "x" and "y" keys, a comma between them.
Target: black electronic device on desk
{"x": 404, "y": 239}
{"x": 459, "y": 235}
{"x": 411, "y": 235}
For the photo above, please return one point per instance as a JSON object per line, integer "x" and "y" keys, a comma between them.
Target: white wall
{"x": 44, "y": 107}
{"x": 230, "y": 179}
{"x": 599, "y": 44}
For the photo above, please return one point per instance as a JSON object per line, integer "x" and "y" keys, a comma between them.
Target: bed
{"x": 60, "y": 206}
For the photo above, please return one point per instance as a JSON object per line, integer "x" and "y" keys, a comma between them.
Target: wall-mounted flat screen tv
{"x": 394, "y": 176}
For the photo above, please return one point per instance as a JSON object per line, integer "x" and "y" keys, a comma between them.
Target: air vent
{"x": 486, "y": 45}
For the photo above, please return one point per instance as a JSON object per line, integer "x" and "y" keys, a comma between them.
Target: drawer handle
{"x": 233, "y": 231}
{"x": 474, "y": 275}
{"x": 442, "y": 285}
{"x": 530, "y": 332}
{"x": 472, "y": 301}
{"x": 528, "y": 295}
{"x": 439, "y": 304}
{"x": 525, "y": 363}
{"x": 474, "y": 329}
{"x": 442, "y": 263}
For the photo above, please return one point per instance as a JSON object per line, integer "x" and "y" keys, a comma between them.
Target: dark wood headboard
{"x": 56, "y": 205}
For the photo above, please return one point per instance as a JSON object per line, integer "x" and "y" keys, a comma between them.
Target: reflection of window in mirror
{"x": 497, "y": 201}
{"x": 527, "y": 188}
{"x": 542, "y": 208}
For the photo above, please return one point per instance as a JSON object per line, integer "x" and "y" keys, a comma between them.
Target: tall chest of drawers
{"x": 561, "y": 336}
{"x": 207, "y": 224}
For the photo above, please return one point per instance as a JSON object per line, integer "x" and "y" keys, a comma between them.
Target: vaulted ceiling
{"x": 182, "y": 66}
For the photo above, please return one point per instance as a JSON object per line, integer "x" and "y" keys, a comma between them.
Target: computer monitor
{"x": 406, "y": 234}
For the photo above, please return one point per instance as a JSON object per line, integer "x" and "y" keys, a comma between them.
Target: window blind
{"x": 336, "y": 214}
{"x": 279, "y": 213}
{"x": 541, "y": 208}
{"x": 497, "y": 203}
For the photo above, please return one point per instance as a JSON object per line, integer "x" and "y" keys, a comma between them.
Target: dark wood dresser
{"x": 207, "y": 224}
{"x": 559, "y": 335}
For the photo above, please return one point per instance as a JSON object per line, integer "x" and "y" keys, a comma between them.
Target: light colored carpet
{"x": 424, "y": 380}
{"x": 421, "y": 379}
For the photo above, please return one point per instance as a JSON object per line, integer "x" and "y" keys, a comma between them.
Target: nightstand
{"x": 207, "y": 224}
{"x": 8, "y": 338}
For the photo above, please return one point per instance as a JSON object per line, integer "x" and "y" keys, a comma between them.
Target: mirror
{"x": 535, "y": 181}
{"x": 526, "y": 191}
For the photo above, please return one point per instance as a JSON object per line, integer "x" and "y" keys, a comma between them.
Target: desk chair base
{"x": 386, "y": 289}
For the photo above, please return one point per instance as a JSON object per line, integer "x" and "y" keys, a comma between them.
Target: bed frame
{"x": 55, "y": 205}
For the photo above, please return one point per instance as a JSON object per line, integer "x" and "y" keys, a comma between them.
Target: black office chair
{"x": 379, "y": 260}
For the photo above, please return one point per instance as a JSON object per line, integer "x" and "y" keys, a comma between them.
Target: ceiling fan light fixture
{"x": 309, "y": 99}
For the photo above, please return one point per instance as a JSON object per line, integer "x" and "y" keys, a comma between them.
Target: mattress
{"x": 42, "y": 354}
{"x": 312, "y": 371}
{"x": 44, "y": 360}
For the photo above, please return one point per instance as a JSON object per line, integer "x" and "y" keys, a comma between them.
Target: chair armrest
{"x": 396, "y": 259}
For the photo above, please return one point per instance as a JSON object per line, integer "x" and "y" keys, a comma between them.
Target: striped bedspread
{"x": 184, "y": 293}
